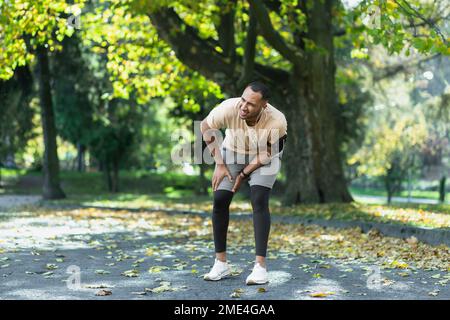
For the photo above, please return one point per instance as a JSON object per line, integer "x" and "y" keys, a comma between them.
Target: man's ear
{"x": 265, "y": 104}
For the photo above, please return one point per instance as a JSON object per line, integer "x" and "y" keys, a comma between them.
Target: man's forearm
{"x": 213, "y": 147}
{"x": 264, "y": 157}
{"x": 212, "y": 144}
{"x": 260, "y": 160}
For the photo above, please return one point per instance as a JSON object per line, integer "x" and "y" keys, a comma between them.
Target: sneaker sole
{"x": 253, "y": 282}
{"x": 220, "y": 277}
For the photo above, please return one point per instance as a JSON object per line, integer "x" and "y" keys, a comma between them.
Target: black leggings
{"x": 261, "y": 218}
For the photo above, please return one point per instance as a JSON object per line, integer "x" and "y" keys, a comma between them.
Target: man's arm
{"x": 264, "y": 157}
{"x": 210, "y": 136}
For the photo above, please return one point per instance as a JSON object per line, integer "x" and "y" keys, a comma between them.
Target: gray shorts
{"x": 263, "y": 176}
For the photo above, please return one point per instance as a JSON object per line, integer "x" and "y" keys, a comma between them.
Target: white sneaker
{"x": 219, "y": 270}
{"x": 259, "y": 275}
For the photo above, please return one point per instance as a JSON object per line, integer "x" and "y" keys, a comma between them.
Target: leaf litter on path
{"x": 104, "y": 293}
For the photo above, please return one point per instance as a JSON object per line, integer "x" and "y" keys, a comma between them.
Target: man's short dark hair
{"x": 261, "y": 88}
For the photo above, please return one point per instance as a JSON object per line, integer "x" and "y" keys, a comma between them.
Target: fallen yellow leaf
{"x": 320, "y": 294}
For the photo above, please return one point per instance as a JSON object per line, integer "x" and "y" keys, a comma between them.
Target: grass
{"x": 11, "y": 173}
{"x": 94, "y": 183}
{"x": 382, "y": 193}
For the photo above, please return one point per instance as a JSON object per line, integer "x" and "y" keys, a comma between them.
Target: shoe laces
{"x": 218, "y": 264}
{"x": 259, "y": 266}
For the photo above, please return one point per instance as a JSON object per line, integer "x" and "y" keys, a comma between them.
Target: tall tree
{"x": 305, "y": 87}
{"x": 29, "y": 31}
{"x": 51, "y": 187}
{"x": 16, "y": 114}
{"x": 73, "y": 85}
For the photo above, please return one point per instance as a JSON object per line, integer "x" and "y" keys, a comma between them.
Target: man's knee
{"x": 260, "y": 197}
{"x": 222, "y": 199}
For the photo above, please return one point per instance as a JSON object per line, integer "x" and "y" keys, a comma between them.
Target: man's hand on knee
{"x": 220, "y": 172}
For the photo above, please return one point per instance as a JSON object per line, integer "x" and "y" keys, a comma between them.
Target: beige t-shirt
{"x": 241, "y": 137}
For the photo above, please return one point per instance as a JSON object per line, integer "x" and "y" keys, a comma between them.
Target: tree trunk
{"x": 107, "y": 170}
{"x": 301, "y": 185}
{"x": 306, "y": 95}
{"x": 80, "y": 157}
{"x": 203, "y": 183}
{"x": 442, "y": 189}
{"x": 115, "y": 176}
{"x": 389, "y": 186}
{"x": 51, "y": 188}
{"x": 313, "y": 160}
{"x": 409, "y": 185}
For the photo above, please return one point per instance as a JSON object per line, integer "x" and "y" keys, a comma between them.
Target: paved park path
{"x": 11, "y": 201}
{"x": 67, "y": 256}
